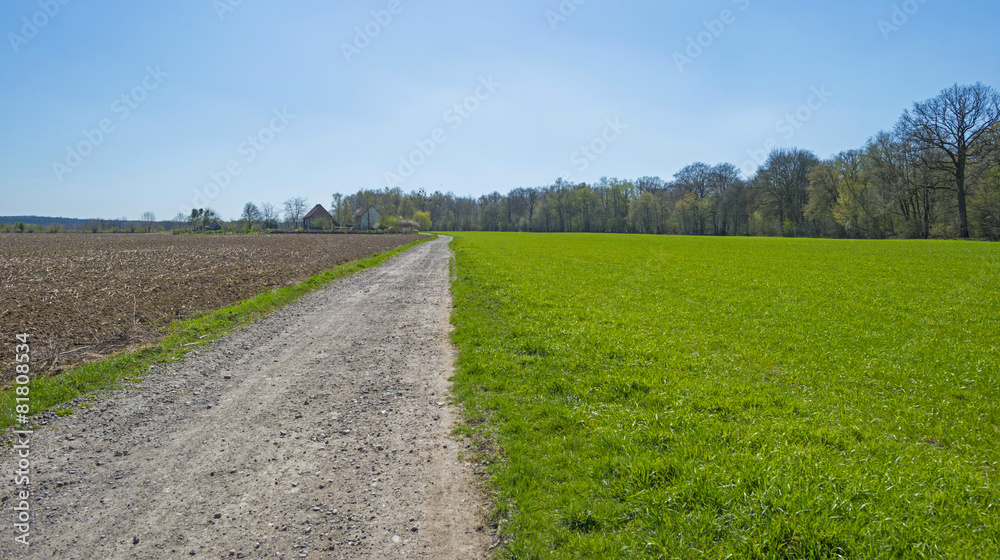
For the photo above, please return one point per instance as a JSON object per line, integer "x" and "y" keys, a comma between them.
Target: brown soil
{"x": 321, "y": 431}
{"x": 83, "y": 296}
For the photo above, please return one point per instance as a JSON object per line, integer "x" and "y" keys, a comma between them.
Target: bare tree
{"x": 269, "y": 215}
{"x": 952, "y": 131}
{"x": 781, "y": 186}
{"x": 910, "y": 189}
{"x": 649, "y": 184}
{"x": 295, "y": 209}
{"x": 148, "y": 219}
{"x": 251, "y": 215}
{"x": 696, "y": 178}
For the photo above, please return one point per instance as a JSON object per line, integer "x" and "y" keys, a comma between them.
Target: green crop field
{"x": 676, "y": 397}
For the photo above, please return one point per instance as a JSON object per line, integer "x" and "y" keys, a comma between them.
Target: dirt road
{"x": 319, "y": 432}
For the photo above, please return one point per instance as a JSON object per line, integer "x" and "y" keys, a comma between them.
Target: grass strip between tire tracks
{"x": 48, "y": 392}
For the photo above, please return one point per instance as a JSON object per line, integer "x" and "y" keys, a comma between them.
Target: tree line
{"x": 935, "y": 174}
{"x": 33, "y": 224}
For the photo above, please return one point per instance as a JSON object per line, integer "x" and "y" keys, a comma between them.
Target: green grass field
{"x": 674, "y": 397}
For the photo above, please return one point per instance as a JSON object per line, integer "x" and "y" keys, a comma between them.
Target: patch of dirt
{"x": 322, "y": 431}
{"x": 84, "y": 296}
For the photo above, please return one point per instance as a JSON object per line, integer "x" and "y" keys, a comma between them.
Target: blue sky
{"x": 219, "y": 102}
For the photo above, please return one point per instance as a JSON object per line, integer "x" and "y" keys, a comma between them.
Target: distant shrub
{"x": 423, "y": 220}
{"x": 945, "y": 229}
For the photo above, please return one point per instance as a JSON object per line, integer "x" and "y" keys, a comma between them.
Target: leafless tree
{"x": 251, "y": 215}
{"x": 696, "y": 178}
{"x": 781, "y": 184}
{"x": 148, "y": 219}
{"x": 295, "y": 209}
{"x": 269, "y": 215}
{"x": 952, "y": 131}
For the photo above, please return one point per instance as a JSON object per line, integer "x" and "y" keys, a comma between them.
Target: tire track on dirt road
{"x": 321, "y": 431}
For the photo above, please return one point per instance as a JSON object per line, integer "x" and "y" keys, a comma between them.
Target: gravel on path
{"x": 321, "y": 431}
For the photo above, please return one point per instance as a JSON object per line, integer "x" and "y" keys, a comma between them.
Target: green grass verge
{"x": 672, "y": 397}
{"x": 47, "y": 392}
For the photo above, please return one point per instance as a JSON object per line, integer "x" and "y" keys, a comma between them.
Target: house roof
{"x": 318, "y": 211}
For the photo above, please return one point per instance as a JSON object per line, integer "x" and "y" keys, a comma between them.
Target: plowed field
{"x": 84, "y": 296}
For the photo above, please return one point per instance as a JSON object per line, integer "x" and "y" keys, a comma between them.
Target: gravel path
{"x": 319, "y": 432}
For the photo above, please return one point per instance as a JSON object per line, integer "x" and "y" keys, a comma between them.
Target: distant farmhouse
{"x": 366, "y": 219}
{"x": 319, "y": 218}
{"x": 216, "y": 226}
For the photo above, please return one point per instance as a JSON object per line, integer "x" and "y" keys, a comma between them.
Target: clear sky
{"x": 116, "y": 107}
